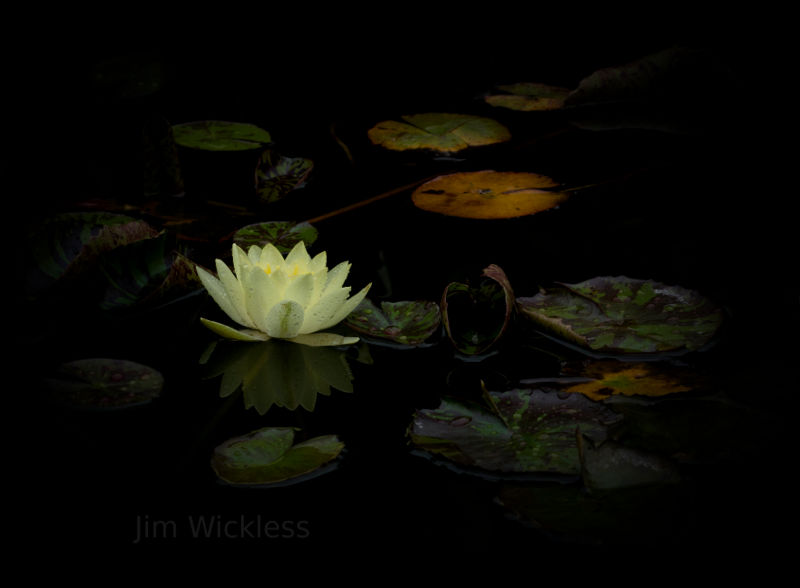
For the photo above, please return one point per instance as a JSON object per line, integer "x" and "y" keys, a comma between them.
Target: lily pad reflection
{"x": 275, "y": 373}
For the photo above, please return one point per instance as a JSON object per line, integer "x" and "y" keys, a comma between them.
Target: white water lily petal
{"x": 231, "y": 333}
{"x": 298, "y": 255}
{"x": 349, "y": 306}
{"x": 270, "y": 257}
{"x": 319, "y": 262}
{"x": 320, "y": 314}
{"x": 254, "y": 254}
{"x": 235, "y": 295}
{"x": 217, "y": 291}
{"x": 284, "y": 320}
{"x": 300, "y": 290}
{"x": 260, "y": 295}
{"x": 323, "y": 339}
{"x": 337, "y": 276}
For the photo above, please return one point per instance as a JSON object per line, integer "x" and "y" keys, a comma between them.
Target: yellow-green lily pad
{"x": 620, "y": 315}
{"x": 442, "y": 132}
{"x": 268, "y": 456}
{"x": 488, "y": 194}
{"x": 408, "y": 322}
{"x": 218, "y": 135}
{"x": 528, "y": 97}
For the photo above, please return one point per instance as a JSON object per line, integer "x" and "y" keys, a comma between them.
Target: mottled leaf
{"x": 612, "y": 465}
{"x": 442, "y": 132}
{"x": 406, "y": 322}
{"x": 101, "y": 383}
{"x": 217, "y": 135}
{"x": 528, "y": 96}
{"x": 605, "y": 378}
{"x": 488, "y": 194}
{"x": 625, "y": 315}
{"x": 277, "y": 175}
{"x": 268, "y": 456}
{"x": 283, "y": 234}
{"x": 520, "y": 431}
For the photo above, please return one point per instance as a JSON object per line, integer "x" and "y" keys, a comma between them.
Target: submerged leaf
{"x": 277, "y": 175}
{"x": 529, "y": 96}
{"x": 283, "y": 234}
{"x": 522, "y": 431}
{"x": 267, "y": 456}
{"x": 217, "y": 135}
{"x": 443, "y": 132}
{"x": 476, "y": 317}
{"x": 488, "y": 194}
{"x": 100, "y": 383}
{"x": 609, "y": 377}
{"x": 407, "y": 322}
{"x": 625, "y": 315}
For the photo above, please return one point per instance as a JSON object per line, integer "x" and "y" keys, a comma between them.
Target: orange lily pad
{"x": 488, "y": 194}
{"x": 443, "y": 132}
{"x": 528, "y": 97}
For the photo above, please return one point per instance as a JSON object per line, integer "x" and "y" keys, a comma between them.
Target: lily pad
{"x": 70, "y": 245}
{"x": 406, "y": 322}
{"x": 488, "y": 194}
{"x": 606, "y": 378}
{"x": 217, "y": 135}
{"x": 283, "y": 234}
{"x": 620, "y": 315}
{"x": 520, "y": 431}
{"x": 529, "y": 96}
{"x": 613, "y": 466}
{"x": 476, "y": 317}
{"x": 442, "y": 132}
{"x": 276, "y": 373}
{"x": 277, "y": 175}
{"x": 100, "y": 383}
{"x": 268, "y": 456}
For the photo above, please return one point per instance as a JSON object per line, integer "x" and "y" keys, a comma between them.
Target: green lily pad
{"x": 217, "y": 135}
{"x": 283, "y": 234}
{"x": 476, "y": 317}
{"x": 620, "y": 315}
{"x": 101, "y": 383}
{"x": 268, "y": 456}
{"x": 276, "y": 373}
{"x": 277, "y": 175}
{"x": 442, "y": 132}
{"x": 406, "y": 322}
{"x": 521, "y": 431}
{"x": 529, "y": 96}
{"x": 70, "y": 245}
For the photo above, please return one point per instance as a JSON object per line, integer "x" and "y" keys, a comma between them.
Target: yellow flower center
{"x": 293, "y": 272}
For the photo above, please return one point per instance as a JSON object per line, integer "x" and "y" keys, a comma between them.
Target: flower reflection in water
{"x": 278, "y": 373}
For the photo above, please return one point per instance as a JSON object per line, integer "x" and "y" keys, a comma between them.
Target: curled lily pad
{"x": 518, "y": 431}
{"x": 276, "y": 373}
{"x": 406, "y": 322}
{"x": 218, "y": 135}
{"x": 100, "y": 383}
{"x": 268, "y": 456}
{"x": 529, "y": 96}
{"x": 277, "y": 175}
{"x": 283, "y": 234}
{"x": 442, "y": 132}
{"x": 476, "y": 317}
{"x": 488, "y": 194}
{"x": 620, "y": 315}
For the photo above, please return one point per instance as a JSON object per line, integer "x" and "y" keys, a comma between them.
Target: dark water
{"x": 695, "y": 209}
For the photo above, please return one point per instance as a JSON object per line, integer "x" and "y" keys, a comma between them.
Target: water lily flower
{"x": 291, "y": 298}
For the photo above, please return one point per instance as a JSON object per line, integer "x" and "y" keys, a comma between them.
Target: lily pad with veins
{"x": 517, "y": 431}
{"x": 282, "y": 234}
{"x": 620, "y": 315}
{"x": 277, "y": 175}
{"x": 442, "y": 132}
{"x": 404, "y": 322}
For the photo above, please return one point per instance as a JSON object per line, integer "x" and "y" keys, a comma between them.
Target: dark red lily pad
{"x": 405, "y": 322}
{"x": 620, "y": 315}
{"x": 100, "y": 383}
